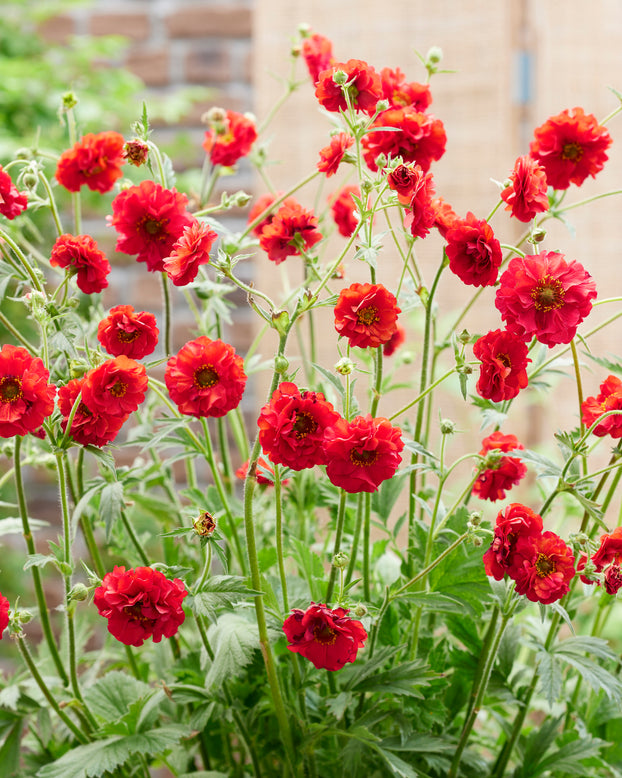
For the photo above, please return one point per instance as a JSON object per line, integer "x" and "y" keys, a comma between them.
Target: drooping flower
{"x": 416, "y": 137}
{"x": 87, "y": 427}
{"x": 26, "y": 398}
{"x": 444, "y": 216}
{"x": 205, "y": 378}
{"x": 364, "y": 86}
{"x": 149, "y": 220}
{"x": 362, "y": 453}
{"x": 326, "y": 637}
{"x": 570, "y": 147}
{"x": 332, "y": 155}
{"x": 366, "y": 314}
{"x": 503, "y": 369}
{"x": 12, "y": 202}
{"x": 81, "y": 255}
{"x": 95, "y": 160}
{"x": 608, "y": 399}
{"x": 4, "y": 614}
{"x": 127, "y": 332}
{"x": 292, "y": 426}
{"x": 396, "y": 340}
{"x": 344, "y": 210}
{"x": 136, "y": 152}
{"x": 401, "y": 93}
{"x": 526, "y": 195}
{"x": 610, "y": 549}
{"x": 545, "y": 296}
{"x": 612, "y": 579}
{"x": 231, "y": 139}
{"x": 421, "y": 215}
{"x": 501, "y": 473}
{"x": 317, "y": 52}
{"x": 264, "y": 474}
{"x": 474, "y": 252}
{"x": 543, "y": 567}
{"x": 189, "y": 252}
{"x": 513, "y": 522}
{"x": 116, "y": 387}
{"x": 293, "y": 228}
{"x": 140, "y": 603}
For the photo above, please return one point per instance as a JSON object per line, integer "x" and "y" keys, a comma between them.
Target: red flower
{"x": 609, "y": 399}
{"x": 366, "y": 314}
{"x": 332, "y": 155}
{"x": 526, "y": 195}
{"x": 136, "y": 152}
{"x": 263, "y": 204}
{"x": 189, "y": 253}
{"x": 26, "y": 398}
{"x": 396, "y": 340}
{"x": 264, "y": 475}
{"x": 474, "y": 252}
{"x": 293, "y": 228}
{"x": 12, "y": 202}
{"x": 292, "y": 426}
{"x": 613, "y": 579}
{"x": 444, "y": 216}
{"x": 140, "y": 603}
{"x": 205, "y": 378}
{"x": 421, "y": 215}
{"x": 362, "y": 453}
{"x": 149, "y": 220}
{"x": 405, "y": 180}
{"x": 95, "y": 160}
{"x": 416, "y": 137}
{"x": 514, "y": 522}
{"x": 364, "y": 86}
{"x": 610, "y": 550}
{"x": 116, "y": 387}
{"x": 502, "y": 473}
{"x": 399, "y": 93}
{"x": 87, "y": 427}
{"x": 4, "y": 614}
{"x": 503, "y": 372}
{"x": 344, "y": 210}
{"x": 233, "y": 139}
{"x": 81, "y": 255}
{"x": 545, "y": 296}
{"x": 543, "y": 566}
{"x": 125, "y": 332}
{"x": 317, "y": 52}
{"x": 323, "y": 636}
{"x": 570, "y": 147}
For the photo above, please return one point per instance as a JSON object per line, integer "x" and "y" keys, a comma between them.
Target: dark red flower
{"x": 396, "y": 340}
{"x": 543, "y": 567}
{"x": 12, "y": 202}
{"x": 344, "y": 210}
{"x": 515, "y": 521}
{"x": 189, "y": 253}
{"x": 613, "y": 579}
{"x": 136, "y": 152}
{"x": 405, "y": 180}
{"x": 264, "y": 475}
{"x": 365, "y": 89}
{"x": 317, "y": 52}
{"x": 140, "y": 603}
{"x": 610, "y": 549}
{"x": 4, "y": 614}
{"x": 415, "y": 137}
{"x": 205, "y": 378}
{"x": 570, "y": 147}
{"x": 474, "y": 252}
{"x": 291, "y": 230}
{"x": 421, "y": 214}
{"x": 126, "y": 332}
{"x": 503, "y": 372}
{"x": 526, "y": 195}
{"x": 608, "y": 399}
{"x": 95, "y": 160}
{"x": 545, "y": 296}
{"x": 502, "y": 473}
{"x": 149, "y": 220}
{"x": 26, "y": 398}
{"x": 232, "y": 140}
{"x": 87, "y": 427}
{"x": 332, "y": 155}
{"x": 362, "y": 453}
{"x": 116, "y": 387}
{"x": 401, "y": 93}
{"x": 444, "y": 216}
{"x": 327, "y": 638}
{"x": 80, "y": 254}
{"x": 366, "y": 314}
{"x": 292, "y": 426}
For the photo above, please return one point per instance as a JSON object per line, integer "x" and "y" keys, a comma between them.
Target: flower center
{"x": 548, "y": 294}
{"x": 368, "y": 315}
{"x": 127, "y": 337}
{"x": 135, "y": 612}
{"x": 572, "y": 151}
{"x": 304, "y": 424}
{"x": 363, "y": 457}
{"x": 504, "y": 359}
{"x": 205, "y": 377}
{"x": 152, "y": 226}
{"x": 324, "y": 634}
{"x": 544, "y": 566}
{"x": 10, "y": 389}
{"x": 118, "y": 389}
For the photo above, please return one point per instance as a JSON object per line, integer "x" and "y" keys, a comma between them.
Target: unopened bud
{"x": 281, "y": 364}
{"x": 304, "y": 30}
{"x": 382, "y": 105}
{"x": 340, "y": 77}
{"x": 23, "y": 616}
{"x": 296, "y": 51}
{"x": 464, "y": 337}
{"x": 30, "y": 180}
{"x": 79, "y": 592}
{"x": 434, "y": 55}
{"x": 240, "y": 199}
{"x": 477, "y": 541}
{"x": 448, "y": 427}
{"x": 475, "y": 518}
{"x": 23, "y": 153}
{"x": 537, "y": 235}
{"x": 359, "y": 610}
{"x": 340, "y": 560}
{"x": 205, "y": 524}
{"x": 345, "y": 366}
{"x": 68, "y": 101}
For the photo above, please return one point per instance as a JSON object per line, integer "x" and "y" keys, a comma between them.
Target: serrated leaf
{"x": 544, "y": 465}
{"x": 550, "y": 677}
{"x": 10, "y": 751}
{"x": 402, "y": 679}
{"x": 220, "y": 591}
{"x": 234, "y": 639}
{"x": 567, "y": 759}
{"x": 13, "y": 525}
{"x": 359, "y": 673}
{"x": 383, "y": 501}
{"x": 38, "y": 560}
{"x": 110, "y": 696}
{"x": 398, "y": 766}
{"x": 111, "y": 503}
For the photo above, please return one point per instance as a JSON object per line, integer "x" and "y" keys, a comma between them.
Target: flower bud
{"x": 345, "y": 366}
{"x": 537, "y": 235}
{"x": 304, "y": 30}
{"x": 464, "y": 337}
{"x": 477, "y": 541}
{"x": 382, "y": 105}
{"x": 79, "y": 592}
{"x": 281, "y": 364}
{"x": 240, "y": 199}
{"x": 340, "y": 77}
{"x": 23, "y": 617}
{"x": 205, "y": 525}
{"x": 23, "y": 153}
{"x": 136, "y": 152}
{"x": 359, "y": 610}
{"x": 30, "y": 180}
{"x": 448, "y": 427}
{"x": 68, "y": 101}
{"x": 340, "y": 560}
{"x": 475, "y": 518}
{"x": 434, "y": 55}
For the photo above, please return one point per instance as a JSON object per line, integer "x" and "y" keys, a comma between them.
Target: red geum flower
{"x": 415, "y": 137}
{"x": 87, "y": 427}
{"x": 263, "y": 203}
{"x": 332, "y": 155}
{"x": 421, "y": 215}
{"x": 366, "y": 314}
{"x": 344, "y": 210}
{"x": 513, "y": 522}
{"x": 327, "y": 638}
{"x": 12, "y": 202}
{"x": 95, "y": 160}
{"x": 140, "y": 603}
{"x": 364, "y": 86}
{"x": 401, "y": 93}
{"x": 543, "y": 567}
{"x": 362, "y": 453}
{"x": 189, "y": 253}
{"x": 613, "y": 579}
{"x": 526, "y": 195}
{"x": 570, "y": 147}
{"x": 126, "y": 332}
{"x": 444, "y": 216}
{"x": 610, "y": 549}
{"x": 503, "y": 372}
{"x": 205, "y": 378}
{"x": 149, "y": 220}
{"x": 4, "y": 614}
{"x": 292, "y": 426}
{"x": 232, "y": 140}
{"x": 116, "y": 387}
{"x": 396, "y": 340}
{"x": 136, "y": 152}
{"x": 608, "y": 399}
{"x": 546, "y": 296}
{"x": 404, "y": 180}
{"x": 81, "y": 255}
{"x": 291, "y": 229}
{"x": 474, "y": 252}
{"x": 317, "y": 52}
{"x": 26, "y": 398}
{"x": 502, "y": 473}
{"x": 264, "y": 474}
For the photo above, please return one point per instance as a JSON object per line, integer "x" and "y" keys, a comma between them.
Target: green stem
{"x": 367, "y": 548}
{"x": 166, "y": 305}
{"x": 16, "y": 333}
{"x": 355, "y": 538}
{"x": 134, "y": 538}
{"x": 279, "y": 536}
{"x": 52, "y": 201}
{"x": 341, "y": 514}
{"x": 577, "y": 373}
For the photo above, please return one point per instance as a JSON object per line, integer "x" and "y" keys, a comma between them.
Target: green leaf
{"x": 550, "y": 677}
{"x": 402, "y": 679}
{"x": 234, "y": 640}
{"x": 359, "y": 673}
{"x": 110, "y": 696}
{"x": 111, "y": 503}
{"x": 38, "y": 560}
{"x": 14, "y": 526}
{"x": 220, "y": 591}
{"x": 10, "y": 751}
{"x": 573, "y": 651}
{"x": 568, "y": 758}
{"x": 383, "y": 501}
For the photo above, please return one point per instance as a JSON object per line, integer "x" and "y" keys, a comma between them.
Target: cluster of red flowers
{"x": 608, "y": 399}
{"x": 26, "y": 398}
{"x": 366, "y": 314}
{"x": 81, "y": 255}
{"x": 12, "y": 202}
{"x": 500, "y": 473}
{"x": 125, "y": 332}
{"x": 230, "y": 139}
{"x": 607, "y": 562}
{"x": 94, "y": 161}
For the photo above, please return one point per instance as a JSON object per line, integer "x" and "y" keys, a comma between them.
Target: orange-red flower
{"x": 503, "y": 372}
{"x": 205, "y": 378}
{"x": 189, "y": 253}
{"x": 81, "y": 255}
{"x": 95, "y": 160}
{"x": 543, "y": 567}
{"x": 364, "y": 86}
{"x": 291, "y": 230}
{"x": 87, "y": 427}
{"x": 610, "y": 549}
{"x": 232, "y": 141}
{"x": 262, "y": 204}
{"x": 474, "y": 252}
{"x": 332, "y": 155}
{"x": 401, "y": 93}
{"x": 513, "y": 522}
{"x": 12, "y": 202}
{"x": 264, "y": 474}
{"x": 116, "y": 387}
{"x": 396, "y": 340}
{"x": 317, "y": 52}
{"x": 500, "y": 473}
{"x": 366, "y": 314}
{"x": 26, "y": 398}
{"x": 344, "y": 210}
{"x": 608, "y": 399}
{"x": 444, "y": 216}
{"x": 526, "y": 195}
{"x": 421, "y": 214}
{"x": 416, "y": 137}
{"x": 127, "y": 332}
{"x": 570, "y": 147}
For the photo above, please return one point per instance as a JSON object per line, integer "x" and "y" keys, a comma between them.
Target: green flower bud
{"x": 448, "y": 427}
{"x": 359, "y": 610}
{"x": 281, "y": 364}
{"x": 345, "y": 366}
{"x": 464, "y": 337}
{"x": 340, "y": 77}
{"x": 340, "y": 560}
{"x": 79, "y": 592}
{"x": 434, "y": 55}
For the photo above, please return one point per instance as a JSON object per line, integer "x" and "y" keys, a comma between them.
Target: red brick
{"x": 199, "y": 22}
{"x": 136, "y": 26}
{"x": 152, "y": 65}
{"x": 58, "y": 29}
{"x": 207, "y": 64}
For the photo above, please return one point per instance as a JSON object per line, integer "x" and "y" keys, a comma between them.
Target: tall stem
{"x": 341, "y": 514}
{"x": 166, "y": 305}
